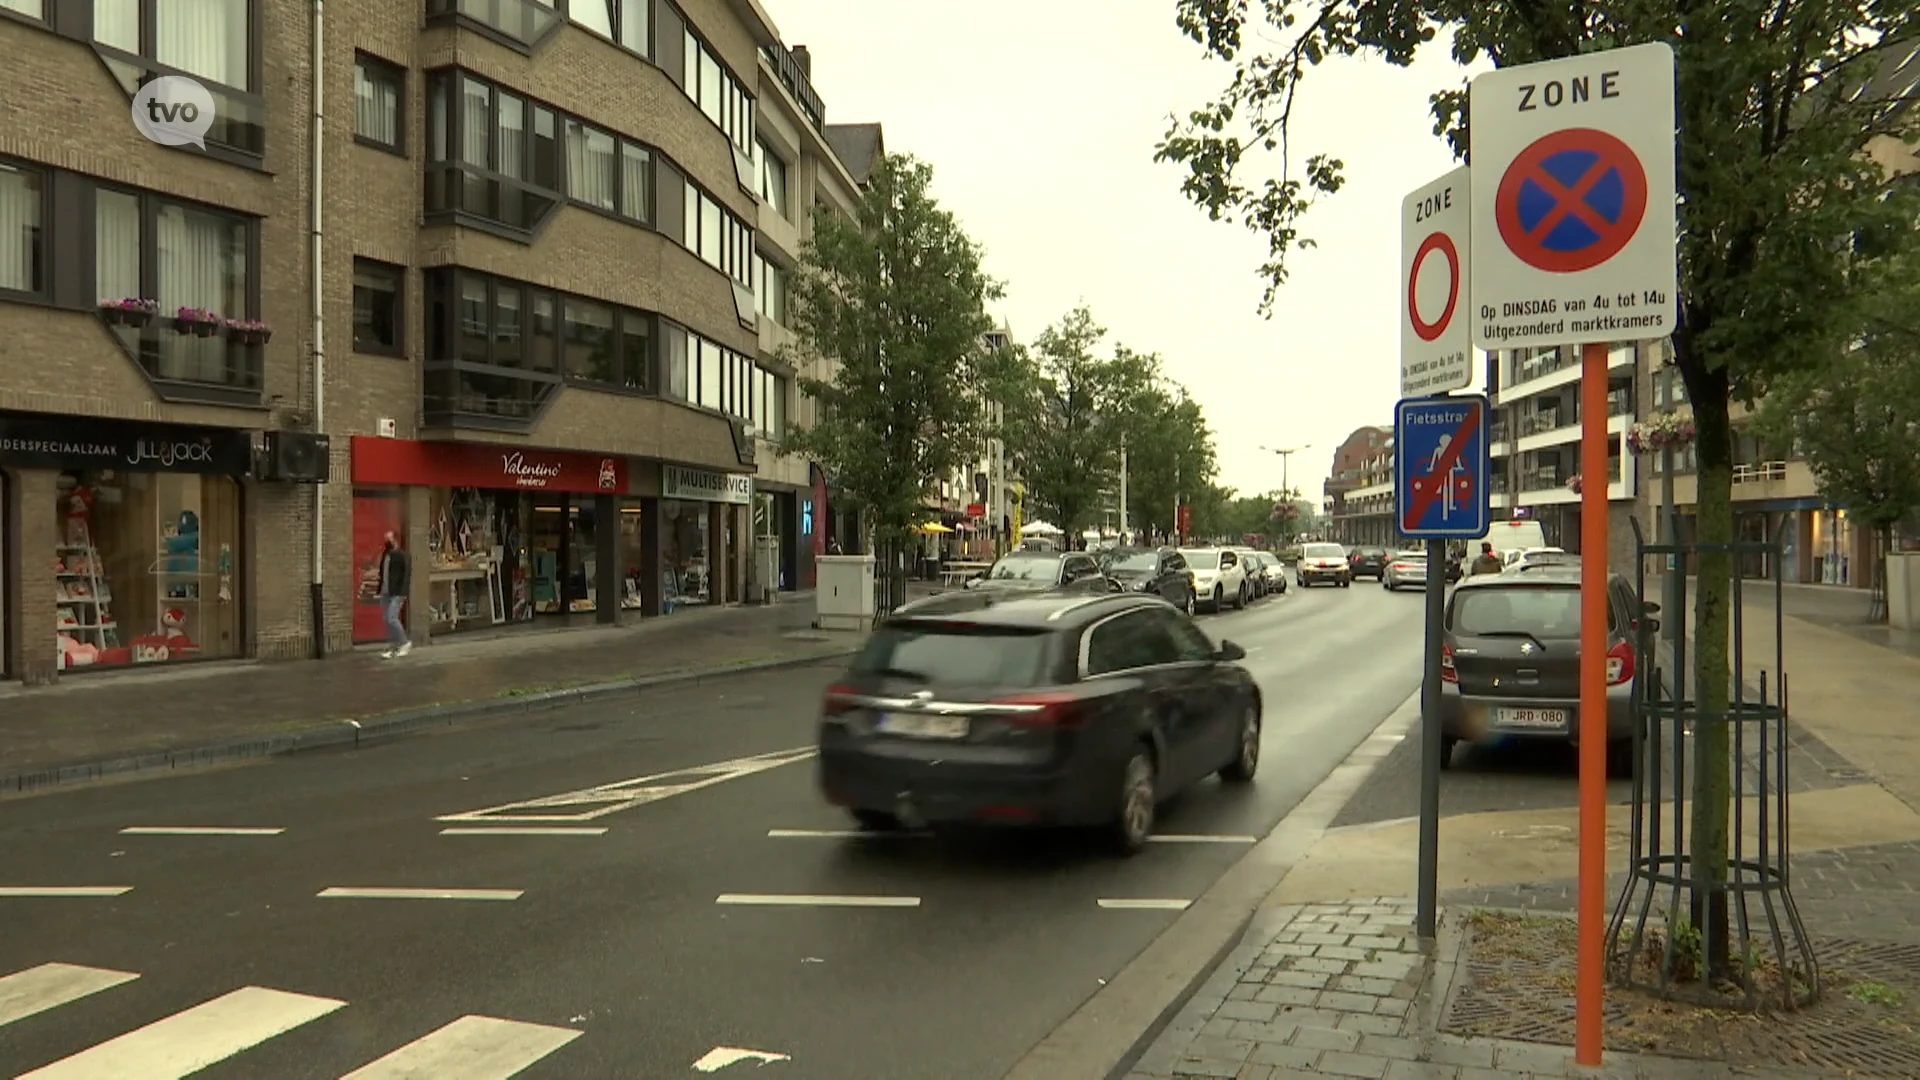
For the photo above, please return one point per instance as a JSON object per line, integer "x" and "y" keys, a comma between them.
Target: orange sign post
{"x": 1595, "y": 472}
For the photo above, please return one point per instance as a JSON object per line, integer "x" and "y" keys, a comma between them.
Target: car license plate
{"x": 923, "y": 725}
{"x": 1530, "y": 718}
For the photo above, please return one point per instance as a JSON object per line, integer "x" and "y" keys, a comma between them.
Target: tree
{"x": 1775, "y": 117}
{"x": 1170, "y": 456}
{"x": 897, "y": 296}
{"x": 1067, "y": 419}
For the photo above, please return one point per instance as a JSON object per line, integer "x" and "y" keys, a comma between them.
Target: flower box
{"x": 128, "y": 311}
{"x": 196, "y": 321}
{"x": 249, "y": 331}
{"x": 1573, "y": 484}
{"x": 1664, "y": 431}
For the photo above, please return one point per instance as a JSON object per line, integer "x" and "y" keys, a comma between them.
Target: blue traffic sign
{"x": 1441, "y": 467}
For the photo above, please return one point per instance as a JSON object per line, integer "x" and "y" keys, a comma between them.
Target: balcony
{"x": 217, "y": 369}
{"x": 1535, "y": 376}
{"x": 1547, "y": 485}
{"x": 521, "y": 24}
{"x": 1759, "y": 472}
{"x": 1545, "y": 429}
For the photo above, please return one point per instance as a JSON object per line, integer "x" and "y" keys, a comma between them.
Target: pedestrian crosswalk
{"x": 229, "y": 1025}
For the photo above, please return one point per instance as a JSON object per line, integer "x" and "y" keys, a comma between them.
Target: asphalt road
{"x": 593, "y": 942}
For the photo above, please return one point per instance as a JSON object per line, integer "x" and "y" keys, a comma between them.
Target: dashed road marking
{"x": 472, "y": 1048}
{"x": 806, "y": 900}
{"x": 49, "y": 986}
{"x": 1133, "y": 904}
{"x": 525, "y": 830}
{"x": 197, "y": 830}
{"x": 600, "y": 800}
{"x": 189, "y": 1041}
{"x": 376, "y": 893}
{"x": 63, "y": 891}
{"x": 722, "y": 1056}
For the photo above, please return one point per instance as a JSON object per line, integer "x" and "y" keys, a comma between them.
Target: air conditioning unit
{"x": 299, "y": 457}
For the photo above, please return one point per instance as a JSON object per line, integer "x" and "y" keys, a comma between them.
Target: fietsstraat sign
{"x": 1574, "y": 230}
{"x": 1436, "y": 345}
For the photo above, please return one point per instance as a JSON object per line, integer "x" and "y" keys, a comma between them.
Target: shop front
{"x": 705, "y": 529}
{"x": 500, "y": 535}
{"x": 128, "y": 533}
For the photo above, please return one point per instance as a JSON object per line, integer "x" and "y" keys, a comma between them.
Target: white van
{"x": 1509, "y": 538}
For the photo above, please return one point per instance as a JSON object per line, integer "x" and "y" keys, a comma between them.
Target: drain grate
{"x": 1516, "y": 983}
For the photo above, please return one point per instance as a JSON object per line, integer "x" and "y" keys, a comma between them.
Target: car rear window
{"x": 1025, "y": 568}
{"x": 1543, "y": 612}
{"x": 1323, "y": 551}
{"x": 1136, "y": 560}
{"x": 955, "y": 654}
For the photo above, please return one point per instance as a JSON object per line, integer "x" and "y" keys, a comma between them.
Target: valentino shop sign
{"x": 45, "y": 441}
{"x": 700, "y": 485}
{"x": 484, "y": 465}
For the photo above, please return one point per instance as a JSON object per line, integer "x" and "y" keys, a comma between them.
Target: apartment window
{"x": 524, "y": 22}
{"x": 501, "y": 157}
{"x": 714, "y": 234}
{"x": 718, "y": 94}
{"x": 212, "y": 41}
{"x": 377, "y": 97}
{"x": 770, "y": 289}
{"x": 769, "y": 404}
{"x": 589, "y": 340}
{"x": 707, "y": 374}
{"x": 377, "y": 292}
{"x": 490, "y": 347}
{"x": 772, "y": 174}
{"x": 183, "y": 257}
{"x": 23, "y": 246}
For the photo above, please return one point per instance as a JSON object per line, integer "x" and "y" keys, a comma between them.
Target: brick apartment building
{"x": 521, "y": 326}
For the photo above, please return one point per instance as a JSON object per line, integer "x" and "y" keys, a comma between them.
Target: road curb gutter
{"x": 358, "y": 732}
{"x": 1179, "y": 971}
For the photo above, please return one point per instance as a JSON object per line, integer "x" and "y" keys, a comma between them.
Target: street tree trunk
{"x": 1707, "y": 842}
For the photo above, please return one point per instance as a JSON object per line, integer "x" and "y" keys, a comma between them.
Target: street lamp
{"x": 1286, "y": 458}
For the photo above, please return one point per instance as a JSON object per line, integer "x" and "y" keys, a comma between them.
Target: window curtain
{"x": 19, "y": 228}
{"x": 376, "y": 108}
{"x": 203, "y": 264}
{"x": 116, "y": 245}
{"x": 512, "y": 138}
{"x": 590, "y": 167}
{"x": 116, "y": 23}
{"x": 476, "y": 122}
{"x": 207, "y": 38}
{"x": 635, "y": 180}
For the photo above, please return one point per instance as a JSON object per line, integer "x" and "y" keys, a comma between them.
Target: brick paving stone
{"x": 1306, "y": 980}
{"x": 1245, "y": 1010}
{"x": 1491, "y": 1074}
{"x": 1286, "y": 995}
{"x": 1370, "y": 1024}
{"x": 1534, "y": 1060}
{"x": 1421, "y": 1070}
{"x": 1388, "y": 1046}
{"x": 1360, "y": 984}
{"x": 1259, "y": 1032}
{"x": 1453, "y": 1050}
{"x": 1199, "y": 1068}
{"x": 1226, "y": 1049}
{"x": 1326, "y": 1038}
{"x": 1286, "y": 1057}
{"x": 1345, "y": 1002}
{"x": 1321, "y": 964}
{"x": 1363, "y": 1066}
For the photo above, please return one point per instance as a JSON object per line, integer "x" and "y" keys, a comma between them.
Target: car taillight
{"x": 1447, "y": 672}
{"x": 1619, "y": 664}
{"x": 1052, "y": 709}
{"x": 838, "y": 699}
{"x": 1401, "y": 566}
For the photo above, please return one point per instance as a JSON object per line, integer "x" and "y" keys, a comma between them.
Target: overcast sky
{"x": 1040, "y": 118}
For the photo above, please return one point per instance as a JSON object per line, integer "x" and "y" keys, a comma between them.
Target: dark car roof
{"x": 1062, "y": 610}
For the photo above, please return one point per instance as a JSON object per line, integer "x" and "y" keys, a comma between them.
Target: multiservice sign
{"x": 44, "y": 441}
{"x": 702, "y": 485}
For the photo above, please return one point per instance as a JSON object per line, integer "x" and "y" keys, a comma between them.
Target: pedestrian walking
{"x": 396, "y": 574}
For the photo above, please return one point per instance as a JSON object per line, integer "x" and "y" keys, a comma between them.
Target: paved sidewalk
{"x": 54, "y": 734}
{"x": 1345, "y": 990}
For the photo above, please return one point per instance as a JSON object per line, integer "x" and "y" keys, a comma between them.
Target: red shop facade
{"x": 498, "y": 535}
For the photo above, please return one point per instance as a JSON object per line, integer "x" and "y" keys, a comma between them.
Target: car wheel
{"x": 1387, "y": 585}
{"x": 876, "y": 820}
{"x": 1219, "y": 601}
{"x": 1190, "y": 605}
{"x": 1138, "y": 800}
{"x": 1246, "y": 760}
{"x": 1447, "y": 743}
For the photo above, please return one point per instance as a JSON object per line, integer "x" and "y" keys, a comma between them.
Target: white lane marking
{"x": 722, "y": 1056}
{"x": 805, "y": 900}
{"x": 1144, "y": 905}
{"x": 186, "y": 1042}
{"x": 49, "y": 986}
{"x": 339, "y": 893}
{"x": 196, "y": 830}
{"x": 843, "y": 834}
{"x": 524, "y": 830}
{"x": 472, "y": 1048}
{"x": 64, "y": 891}
{"x": 604, "y": 799}
{"x": 1201, "y": 838}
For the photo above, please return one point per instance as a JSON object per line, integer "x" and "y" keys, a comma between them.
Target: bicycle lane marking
{"x": 600, "y": 800}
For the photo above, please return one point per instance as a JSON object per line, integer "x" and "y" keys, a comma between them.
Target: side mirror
{"x": 1650, "y": 607}
{"x": 1652, "y": 625}
{"x": 1229, "y": 651}
{"x": 1114, "y": 585}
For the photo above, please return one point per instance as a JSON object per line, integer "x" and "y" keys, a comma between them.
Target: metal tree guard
{"x": 1651, "y": 940}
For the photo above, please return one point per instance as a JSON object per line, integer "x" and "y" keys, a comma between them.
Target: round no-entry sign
{"x": 1442, "y": 244}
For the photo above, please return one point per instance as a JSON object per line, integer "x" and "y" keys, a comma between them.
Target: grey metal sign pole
{"x": 1427, "y": 901}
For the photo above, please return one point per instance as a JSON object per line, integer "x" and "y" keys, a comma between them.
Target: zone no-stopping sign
{"x": 1436, "y": 346}
{"x": 1574, "y": 230}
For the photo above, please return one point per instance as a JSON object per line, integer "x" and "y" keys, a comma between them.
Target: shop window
{"x": 684, "y": 550}
{"x": 211, "y": 41}
{"x": 23, "y": 209}
{"x": 379, "y": 112}
{"x": 146, "y": 569}
{"x": 197, "y": 264}
{"x": 476, "y": 563}
{"x": 562, "y": 555}
{"x": 377, "y": 292}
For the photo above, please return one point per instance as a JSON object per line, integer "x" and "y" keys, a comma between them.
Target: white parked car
{"x": 1219, "y": 577}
